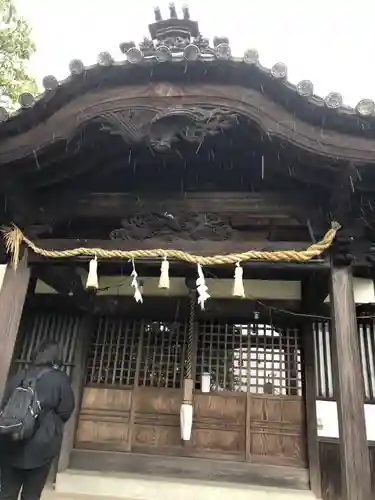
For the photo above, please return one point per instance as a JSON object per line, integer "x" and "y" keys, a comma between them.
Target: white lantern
{"x": 205, "y": 382}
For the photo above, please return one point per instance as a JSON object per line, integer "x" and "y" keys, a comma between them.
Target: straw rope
{"x": 14, "y": 238}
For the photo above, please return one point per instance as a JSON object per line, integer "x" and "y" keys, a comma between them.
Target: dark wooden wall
{"x": 329, "y": 452}
{"x": 329, "y": 455}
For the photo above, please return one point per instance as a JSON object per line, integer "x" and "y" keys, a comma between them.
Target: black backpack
{"x": 19, "y": 416}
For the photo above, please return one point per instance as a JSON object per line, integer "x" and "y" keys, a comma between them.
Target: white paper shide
{"x": 186, "y": 421}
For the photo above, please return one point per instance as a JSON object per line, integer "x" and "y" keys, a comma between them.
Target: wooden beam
{"x": 284, "y": 271}
{"x": 348, "y": 388}
{"x": 310, "y": 391}
{"x": 78, "y": 379}
{"x": 163, "y": 308}
{"x": 12, "y": 298}
{"x": 254, "y": 205}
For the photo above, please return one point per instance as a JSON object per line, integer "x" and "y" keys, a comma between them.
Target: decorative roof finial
{"x": 172, "y": 11}
{"x": 186, "y": 12}
{"x": 158, "y": 16}
{"x": 178, "y": 36}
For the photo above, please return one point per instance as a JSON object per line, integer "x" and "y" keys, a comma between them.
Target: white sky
{"x": 330, "y": 42}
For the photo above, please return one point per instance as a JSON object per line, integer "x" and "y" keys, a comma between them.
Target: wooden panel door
{"x": 256, "y": 374}
{"x": 104, "y": 420}
{"x": 106, "y": 416}
{"x": 157, "y": 421}
{"x": 277, "y": 430}
{"x": 219, "y": 426}
{"x": 141, "y": 420}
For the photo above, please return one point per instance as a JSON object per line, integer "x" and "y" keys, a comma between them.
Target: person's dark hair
{"x": 47, "y": 354}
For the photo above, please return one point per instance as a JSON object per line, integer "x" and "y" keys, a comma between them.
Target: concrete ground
{"x": 75, "y": 485}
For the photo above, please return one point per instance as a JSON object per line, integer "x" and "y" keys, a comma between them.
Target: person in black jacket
{"x": 24, "y": 466}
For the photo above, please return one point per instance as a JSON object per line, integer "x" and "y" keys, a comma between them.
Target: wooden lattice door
{"x": 254, "y": 411}
{"x": 257, "y": 369}
{"x": 133, "y": 386}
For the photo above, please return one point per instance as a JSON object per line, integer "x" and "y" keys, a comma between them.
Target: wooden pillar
{"x": 310, "y": 389}
{"x": 12, "y": 299}
{"x": 78, "y": 380}
{"x": 348, "y": 388}
{"x": 310, "y": 401}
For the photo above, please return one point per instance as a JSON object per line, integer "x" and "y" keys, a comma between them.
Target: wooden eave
{"x": 248, "y": 90}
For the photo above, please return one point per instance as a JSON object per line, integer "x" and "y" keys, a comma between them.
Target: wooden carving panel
{"x": 162, "y": 128}
{"x": 181, "y": 225}
{"x": 157, "y": 421}
{"x": 104, "y": 420}
{"x": 277, "y": 427}
{"x": 219, "y": 426}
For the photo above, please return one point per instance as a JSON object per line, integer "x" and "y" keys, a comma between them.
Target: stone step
{"x": 187, "y": 468}
{"x": 81, "y": 485}
{"x": 53, "y": 495}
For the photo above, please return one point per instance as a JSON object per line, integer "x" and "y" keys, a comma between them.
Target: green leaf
{"x": 16, "y": 48}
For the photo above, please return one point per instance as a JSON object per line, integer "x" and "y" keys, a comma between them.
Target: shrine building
{"x": 199, "y": 236}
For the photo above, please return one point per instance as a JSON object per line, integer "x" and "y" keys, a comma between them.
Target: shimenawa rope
{"x": 14, "y": 238}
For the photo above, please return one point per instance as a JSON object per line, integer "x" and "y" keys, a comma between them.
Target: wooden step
{"x": 200, "y": 469}
{"x": 139, "y": 487}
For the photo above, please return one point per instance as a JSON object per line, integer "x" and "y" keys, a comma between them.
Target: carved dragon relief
{"x": 162, "y": 128}
{"x": 168, "y": 227}
{"x": 248, "y": 104}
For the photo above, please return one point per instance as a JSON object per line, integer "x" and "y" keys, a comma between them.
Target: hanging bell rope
{"x": 14, "y": 237}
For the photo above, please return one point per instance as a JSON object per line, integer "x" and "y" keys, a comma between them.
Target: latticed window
{"x": 125, "y": 353}
{"x": 251, "y": 358}
{"x": 323, "y": 361}
{"x": 39, "y": 326}
{"x": 113, "y": 353}
{"x": 323, "y": 358}
{"x": 162, "y": 355}
{"x": 366, "y": 333}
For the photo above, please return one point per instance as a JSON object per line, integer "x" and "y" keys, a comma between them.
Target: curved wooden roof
{"x": 59, "y": 119}
{"x": 155, "y": 81}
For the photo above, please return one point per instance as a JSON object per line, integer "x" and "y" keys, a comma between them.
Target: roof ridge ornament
{"x": 158, "y": 16}
{"x": 172, "y": 11}
{"x": 186, "y": 12}
{"x": 177, "y": 38}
